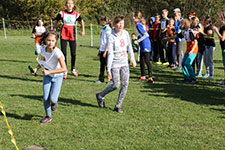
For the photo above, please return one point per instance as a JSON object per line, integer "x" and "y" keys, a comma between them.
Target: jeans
{"x": 51, "y": 91}
{"x": 208, "y": 60}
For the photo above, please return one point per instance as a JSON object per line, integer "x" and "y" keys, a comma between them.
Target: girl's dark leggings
{"x": 72, "y": 51}
{"x": 145, "y": 58}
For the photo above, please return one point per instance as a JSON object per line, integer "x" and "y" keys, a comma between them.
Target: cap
{"x": 176, "y": 10}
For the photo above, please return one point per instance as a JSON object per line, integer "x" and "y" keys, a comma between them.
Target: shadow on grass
{"x": 16, "y": 61}
{"x": 19, "y": 78}
{"x": 25, "y": 117}
{"x": 203, "y": 92}
{"x": 61, "y": 100}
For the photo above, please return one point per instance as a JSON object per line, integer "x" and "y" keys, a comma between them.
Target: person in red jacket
{"x": 69, "y": 17}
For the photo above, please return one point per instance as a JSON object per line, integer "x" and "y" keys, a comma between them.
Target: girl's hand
{"x": 45, "y": 72}
{"x": 109, "y": 76}
{"x": 104, "y": 54}
{"x": 133, "y": 63}
{"x": 34, "y": 73}
{"x": 82, "y": 33}
{"x": 33, "y": 36}
{"x": 191, "y": 52}
{"x": 135, "y": 42}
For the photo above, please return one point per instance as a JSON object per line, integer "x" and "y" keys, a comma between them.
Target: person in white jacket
{"x": 102, "y": 53}
{"x": 117, "y": 64}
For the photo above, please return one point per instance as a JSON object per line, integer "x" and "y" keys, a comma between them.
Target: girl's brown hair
{"x": 185, "y": 24}
{"x": 46, "y": 34}
{"x": 107, "y": 20}
{"x": 118, "y": 18}
{"x": 139, "y": 16}
{"x": 195, "y": 20}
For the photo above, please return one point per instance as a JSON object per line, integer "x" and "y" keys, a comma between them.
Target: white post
{"x": 51, "y": 25}
{"x": 91, "y": 36}
{"x": 3, "y": 22}
{"x": 76, "y": 29}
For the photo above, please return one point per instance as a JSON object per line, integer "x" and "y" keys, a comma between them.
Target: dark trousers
{"x": 158, "y": 51}
{"x": 72, "y": 51}
{"x": 144, "y": 58}
{"x": 103, "y": 65}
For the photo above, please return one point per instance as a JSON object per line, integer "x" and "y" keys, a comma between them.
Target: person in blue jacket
{"x": 145, "y": 46}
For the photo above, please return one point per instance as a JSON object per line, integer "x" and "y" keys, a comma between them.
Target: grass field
{"x": 165, "y": 115}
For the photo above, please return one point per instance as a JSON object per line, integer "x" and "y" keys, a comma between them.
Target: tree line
{"x": 92, "y": 10}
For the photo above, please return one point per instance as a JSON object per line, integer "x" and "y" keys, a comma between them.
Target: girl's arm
{"x": 110, "y": 53}
{"x": 83, "y": 28}
{"x": 60, "y": 70}
{"x": 110, "y": 57}
{"x": 130, "y": 51}
{"x": 222, "y": 37}
{"x": 193, "y": 48}
{"x": 105, "y": 52}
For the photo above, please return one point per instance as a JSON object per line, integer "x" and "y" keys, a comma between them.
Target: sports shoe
{"x": 142, "y": 78}
{"x": 165, "y": 63}
{"x": 75, "y": 74}
{"x": 54, "y": 106}
{"x": 198, "y": 75}
{"x": 119, "y": 110}
{"x": 205, "y": 76}
{"x": 159, "y": 63}
{"x": 222, "y": 83}
{"x": 150, "y": 80}
{"x": 209, "y": 78}
{"x": 46, "y": 119}
{"x": 100, "y": 100}
{"x": 99, "y": 82}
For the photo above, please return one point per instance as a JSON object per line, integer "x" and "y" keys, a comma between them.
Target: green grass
{"x": 165, "y": 115}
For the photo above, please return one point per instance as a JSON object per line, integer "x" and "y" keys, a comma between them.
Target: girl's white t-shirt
{"x": 52, "y": 60}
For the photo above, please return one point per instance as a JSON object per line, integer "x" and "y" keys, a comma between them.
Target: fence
{"x": 5, "y": 25}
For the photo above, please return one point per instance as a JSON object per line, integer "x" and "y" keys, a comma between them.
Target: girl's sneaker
{"x": 150, "y": 80}
{"x": 46, "y": 119}
{"x": 119, "y": 110}
{"x": 142, "y": 78}
{"x": 100, "y": 100}
{"x": 205, "y": 76}
{"x": 198, "y": 75}
{"x": 75, "y": 74}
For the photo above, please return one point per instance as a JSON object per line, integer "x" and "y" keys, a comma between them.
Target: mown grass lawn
{"x": 165, "y": 115}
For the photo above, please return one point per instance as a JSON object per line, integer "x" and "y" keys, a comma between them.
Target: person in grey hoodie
{"x": 117, "y": 64}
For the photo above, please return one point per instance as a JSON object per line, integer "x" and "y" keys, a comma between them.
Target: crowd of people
{"x": 158, "y": 40}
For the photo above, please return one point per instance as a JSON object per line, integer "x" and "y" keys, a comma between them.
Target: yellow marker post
{"x": 13, "y": 140}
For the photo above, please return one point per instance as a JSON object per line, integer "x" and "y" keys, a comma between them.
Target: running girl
{"x": 117, "y": 64}
{"x": 54, "y": 66}
{"x": 37, "y": 31}
{"x": 68, "y": 34}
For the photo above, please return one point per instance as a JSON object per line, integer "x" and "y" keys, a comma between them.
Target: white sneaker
{"x": 205, "y": 76}
{"x": 99, "y": 82}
